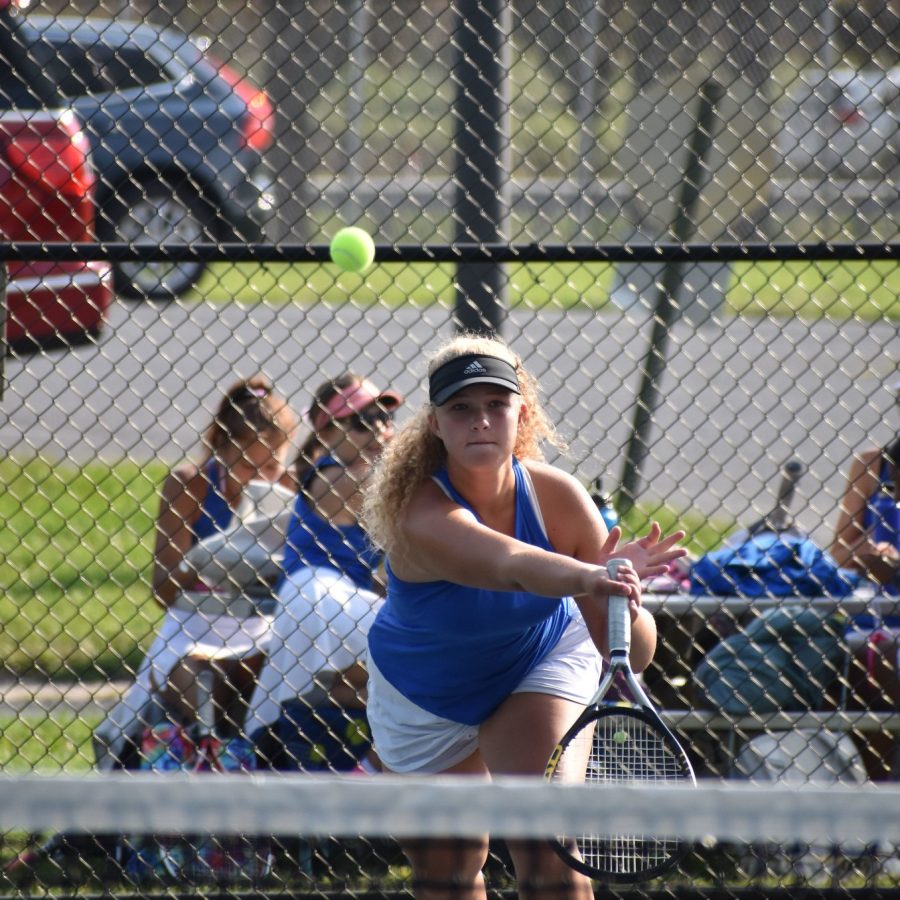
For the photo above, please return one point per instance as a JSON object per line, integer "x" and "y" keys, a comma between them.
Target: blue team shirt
{"x": 215, "y": 513}
{"x": 882, "y": 518}
{"x": 312, "y": 541}
{"x": 459, "y": 652}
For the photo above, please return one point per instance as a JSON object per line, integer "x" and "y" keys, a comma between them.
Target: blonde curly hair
{"x": 415, "y": 453}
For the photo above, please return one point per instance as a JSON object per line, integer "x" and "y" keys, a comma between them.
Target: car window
{"x": 121, "y": 68}
{"x": 100, "y": 69}
{"x": 23, "y": 84}
{"x": 130, "y": 67}
{"x": 15, "y": 92}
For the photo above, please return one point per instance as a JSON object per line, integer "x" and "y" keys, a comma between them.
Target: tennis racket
{"x": 779, "y": 519}
{"x": 619, "y": 743}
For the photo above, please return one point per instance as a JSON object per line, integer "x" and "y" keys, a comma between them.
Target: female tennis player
{"x": 486, "y": 648}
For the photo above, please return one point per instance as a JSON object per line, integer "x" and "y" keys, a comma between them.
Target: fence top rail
{"x": 707, "y": 604}
{"x": 33, "y": 251}
{"x": 835, "y": 720}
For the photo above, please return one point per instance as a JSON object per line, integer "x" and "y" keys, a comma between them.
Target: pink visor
{"x": 350, "y": 400}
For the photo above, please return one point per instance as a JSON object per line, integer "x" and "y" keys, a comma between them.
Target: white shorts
{"x": 409, "y": 739}
{"x": 181, "y": 634}
{"x": 320, "y": 627}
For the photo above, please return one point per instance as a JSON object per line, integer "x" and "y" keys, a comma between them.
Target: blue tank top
{"x": 882, "y": 516}
{"x": 313, "y": 541}
{"x": 215, "y": 513}
{"x": 459, "y": 652}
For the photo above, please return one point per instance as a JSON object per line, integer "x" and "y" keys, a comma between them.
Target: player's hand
{"x": 650, "y": 555}
{"x": 594, "y": 601}
{"x": 599, "y": 586}
{"x": 629, "y": 576}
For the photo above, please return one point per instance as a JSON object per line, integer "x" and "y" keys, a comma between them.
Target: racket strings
{"x": 627, "y": 749}
{"x": 621, "y": 749}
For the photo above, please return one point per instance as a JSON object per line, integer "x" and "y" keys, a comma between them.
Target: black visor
{"x": 473, "y": 368}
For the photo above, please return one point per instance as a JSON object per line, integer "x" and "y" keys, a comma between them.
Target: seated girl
{"x": 308, "y": 708}
{"x": 248, "y": 440}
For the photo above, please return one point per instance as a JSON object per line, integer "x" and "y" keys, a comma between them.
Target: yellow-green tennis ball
{"x": 352, "y": 250}
{"x": 620, "y": 737}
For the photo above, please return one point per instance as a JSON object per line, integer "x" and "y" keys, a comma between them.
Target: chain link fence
{"x": 557, "y": 141}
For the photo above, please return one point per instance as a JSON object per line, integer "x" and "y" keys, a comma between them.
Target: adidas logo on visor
{"x": 474, "y": 368}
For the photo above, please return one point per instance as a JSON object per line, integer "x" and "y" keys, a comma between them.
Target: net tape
{"x": 511, "y": 807}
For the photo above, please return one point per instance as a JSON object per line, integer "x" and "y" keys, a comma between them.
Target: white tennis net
{"x": 736, "y": 829}
{"x": 453, "y": 807}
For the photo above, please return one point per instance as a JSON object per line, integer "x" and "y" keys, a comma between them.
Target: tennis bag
{"x": 194, "y": 858}
{"x": 772, "y": 564}
{"x": 783, "y": 660}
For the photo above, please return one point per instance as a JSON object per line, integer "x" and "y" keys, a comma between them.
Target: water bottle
{"x": 885, "y": 517}
{"x": 607, "y": 510}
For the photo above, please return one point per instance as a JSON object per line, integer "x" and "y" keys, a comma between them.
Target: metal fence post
{"x": 665, "y": 307}
{"x": 481, "y": 146}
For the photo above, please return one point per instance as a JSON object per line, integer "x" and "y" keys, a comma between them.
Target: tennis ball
{"x": 620, "y": 737}
{"x": 352, "y": 250}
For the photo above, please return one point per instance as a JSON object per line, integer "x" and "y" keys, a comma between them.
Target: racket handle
{"x": 619, "y": 617}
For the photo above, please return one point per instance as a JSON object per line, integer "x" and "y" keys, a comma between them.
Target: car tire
{"x": 157, "y": 211}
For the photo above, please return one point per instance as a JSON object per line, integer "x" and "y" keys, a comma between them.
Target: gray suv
{"x": 177, "y": 139}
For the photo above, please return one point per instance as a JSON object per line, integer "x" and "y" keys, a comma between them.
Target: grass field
{"x": 75, "y": 547}
{"x": 836, "y": 290}
{"x": 47, "y": 743}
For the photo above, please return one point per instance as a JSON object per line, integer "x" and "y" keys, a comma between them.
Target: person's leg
{"x": 518, "y": 740}
{"x": 235, "y": 682}
{"x": 450, "y": 869}
{"x": 286, "y": 645}
{"x": 410, "y": 740}
{"x": 180, "y": 693}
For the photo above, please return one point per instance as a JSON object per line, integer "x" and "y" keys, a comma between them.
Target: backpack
{"x": 200, "y": 858}
{"x": 772, "y": 564}
{"x": 783, "y": 660}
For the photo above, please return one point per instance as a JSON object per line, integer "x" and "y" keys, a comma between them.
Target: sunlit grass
{"x": 833, "y": 290}
{"x": 839, "y": 291}
{"x": 48, "y": 743}
{"x": 75, "y": 551}
{"x": 535, "y": 285}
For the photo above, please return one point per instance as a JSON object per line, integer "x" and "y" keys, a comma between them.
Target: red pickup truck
{"x": 46, "y": 194}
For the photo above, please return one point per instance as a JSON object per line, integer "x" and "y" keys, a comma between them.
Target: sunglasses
{"x": 367, "y": 420}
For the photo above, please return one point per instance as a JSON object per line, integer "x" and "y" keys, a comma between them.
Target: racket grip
{"x": 619, "y": 617}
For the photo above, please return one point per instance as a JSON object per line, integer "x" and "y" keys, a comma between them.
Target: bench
{"x": 688, "y": 720}
{"x": 692, "y": 615}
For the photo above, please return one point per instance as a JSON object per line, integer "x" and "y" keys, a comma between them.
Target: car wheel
{"x": 158, "y": 212}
